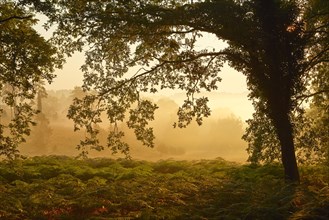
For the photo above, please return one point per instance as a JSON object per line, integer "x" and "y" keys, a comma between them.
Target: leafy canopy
{"x": 26, "y": 59}
{"x": 159, "y": 37}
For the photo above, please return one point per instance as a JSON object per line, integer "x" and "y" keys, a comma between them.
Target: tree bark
{"x": 284, "y": 131}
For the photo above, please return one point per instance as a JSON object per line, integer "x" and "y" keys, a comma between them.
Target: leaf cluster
{"x": 26, "y": 59}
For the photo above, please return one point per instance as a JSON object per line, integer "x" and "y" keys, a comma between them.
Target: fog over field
{"x": 219, "y": 136}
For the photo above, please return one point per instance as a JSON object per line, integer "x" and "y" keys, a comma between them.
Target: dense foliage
{"x": 26, "y": 59}
{"x": 311, "y": 127}
{"x": 65, "y": 188}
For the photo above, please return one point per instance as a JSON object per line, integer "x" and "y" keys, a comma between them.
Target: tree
{"x": 26, "y": 58}
{"x": 310, "y": 124}
{"x": 39, "y": 138}
{"x": 267, "y": 42}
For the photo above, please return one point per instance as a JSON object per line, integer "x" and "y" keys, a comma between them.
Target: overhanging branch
{"x": 15, "y": 17}
{"x": 316, "y": 59}
{"x": 164, "y": 62}
{"x": 306, "y": 96}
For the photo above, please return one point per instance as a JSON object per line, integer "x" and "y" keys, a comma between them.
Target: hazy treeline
{"x": 219, "y": 136}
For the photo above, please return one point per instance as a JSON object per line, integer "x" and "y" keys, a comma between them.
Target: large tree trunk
{"x": 288, "y": 151}
{"x": 282, "y": 123}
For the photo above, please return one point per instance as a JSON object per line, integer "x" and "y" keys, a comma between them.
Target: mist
{"x": 219, "y": 136}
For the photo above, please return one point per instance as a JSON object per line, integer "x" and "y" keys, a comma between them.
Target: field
{"x": 58, "y": 187}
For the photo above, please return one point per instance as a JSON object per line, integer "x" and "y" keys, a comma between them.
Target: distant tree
{"x": 41, "y": 94}
{"x": 26, "y": 58}
{"x": 40, "y": 134}
{"x": 268, "y": 42}
{"x": 77, "y": 93}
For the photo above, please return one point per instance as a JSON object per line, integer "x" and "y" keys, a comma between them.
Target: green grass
{"x": 56, "y": 187}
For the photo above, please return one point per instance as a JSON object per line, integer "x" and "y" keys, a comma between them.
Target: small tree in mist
{"x": 269, "y": 42}
{"x": 38, "y": 141}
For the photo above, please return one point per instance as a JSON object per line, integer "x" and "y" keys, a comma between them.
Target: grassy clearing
{"x": 56, "y": 187}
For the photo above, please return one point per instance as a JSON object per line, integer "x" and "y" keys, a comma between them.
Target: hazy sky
{"x": 232, "y": 81}
{"x": 71, "y": 76}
